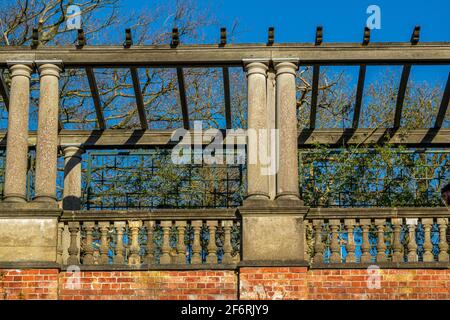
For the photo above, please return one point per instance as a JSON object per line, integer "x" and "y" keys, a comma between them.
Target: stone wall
{"x": 253, "y": 282}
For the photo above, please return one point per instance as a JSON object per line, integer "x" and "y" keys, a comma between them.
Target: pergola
{"x": 273, "y": 212}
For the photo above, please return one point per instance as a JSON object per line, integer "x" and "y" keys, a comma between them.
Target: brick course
{"x": 254, "y": 283}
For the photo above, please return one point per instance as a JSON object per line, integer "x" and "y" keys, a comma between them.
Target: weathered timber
{"x": 233, "y": 54}
{"x": 308, "y": 138}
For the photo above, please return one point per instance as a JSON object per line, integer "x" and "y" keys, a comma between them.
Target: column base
{"x": 44, "y": 198}
{"x": 15, "y": 198}
{"x": 273, "y": 231}
{"x": 289, "y": 196}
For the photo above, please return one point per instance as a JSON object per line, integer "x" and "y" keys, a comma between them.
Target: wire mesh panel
{"x": 373, "y": 177}
{"x": 150, "y": 179}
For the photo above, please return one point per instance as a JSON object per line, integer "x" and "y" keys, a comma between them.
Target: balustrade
{"x": 390, "y": 235}
{"x": 127, "y": 239}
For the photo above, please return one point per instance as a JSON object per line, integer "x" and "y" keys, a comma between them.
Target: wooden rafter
{"x": 359, "y": 96}
{"x": 96, "y": 98}
{"x": 444, "y": 105}
{"x": 401, "y": 95}
{"x": 227, "y": 98}
{"x": 314, "y": 96}
{"x": 233, "y": 54}
{"x": 139, "y": 98}
{"x": 308, "y": 138}
{"x": 183, "y": 100}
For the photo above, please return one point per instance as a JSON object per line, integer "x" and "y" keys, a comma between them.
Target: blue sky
{"x": 343, "y": 20}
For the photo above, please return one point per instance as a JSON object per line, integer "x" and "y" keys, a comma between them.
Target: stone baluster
{"x": 47, "y": 134}
{"x": 397, "y": 242}
{"x": 334, "y": 245}
{"x": 227, "y": 258}
{"x": 381, "y": 243}
{"x": 74, "y": 228}
{"x": 88, "y": 256}
{"x": 165, "y": 256}
{"x": 16, "y": 166}
{"x": 150, "y": 254}
{"x": 443, "y": 245}
{"x": 351, "y": 246}
{"x": 318, "y": 245}
{"x": 119, "y": 258}
{"x": 365, "y": 246}
{"x": 134, "y": 258}
{"x": 181, "y": 246}
{"x": 257, "y": 182}
{"x": 104, "y": 241}
{"x": 212, "y": 246}
{"x": 196, "y": 246}
{"x": 59, "y": 248}
{"x": 427, "y": 244}
{"x": 412, "y": 245}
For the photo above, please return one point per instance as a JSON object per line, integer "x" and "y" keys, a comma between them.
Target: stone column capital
{"x": 20, "y": 68}
{"x": 287, "y": 65}
{"x": 72, "y": 151}
{"x": 256, "y": 66}
{"x": 49, "y": 67}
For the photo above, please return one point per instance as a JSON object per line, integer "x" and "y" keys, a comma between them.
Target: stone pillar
{"x": 47, "y": 136}
{"x": 272, "y": 231}
{"x": 72, "y": 177}
{"x": 287, "y": 175}
{"x": 257, "y": 182}
{"x": 17, "y": 137}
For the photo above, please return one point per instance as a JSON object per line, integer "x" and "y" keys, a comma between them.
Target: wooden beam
{"x": 359, "y": 96}
{"x": 123, "y": 138}
{"x": 401, "y": 95}
{"x": 96, "y": 98}
{"x": 444, "y": 105}
{"x": 139, "y": 98}
{"x": 4, "y": 92}
{"x": 183, "y": 100}
{"x": 233, "y": 54}
{"x": 314, "y": 96}
{"x": 227, "y": 99}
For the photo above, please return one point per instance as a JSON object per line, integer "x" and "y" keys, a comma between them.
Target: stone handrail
{"x": 377, "y": 235}
{"x": 179, "y": 237}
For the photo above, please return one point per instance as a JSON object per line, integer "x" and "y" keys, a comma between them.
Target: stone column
{"x": 17, "y": 137}
{"x": 287, "y": 176}
{"x": 257, "y": 182}
{"x": 72, "y": 177}
{"x": 47, "y": 136}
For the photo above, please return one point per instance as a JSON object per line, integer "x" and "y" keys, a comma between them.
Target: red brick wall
{"x": 298, "y": 283}
{"x": 29, "y": 284}
{"x": 254, "y": 283}
{"x": 174, "y": 285}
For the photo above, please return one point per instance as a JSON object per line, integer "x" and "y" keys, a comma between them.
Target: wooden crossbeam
{"x": 183, "y": 100}
{"x": 96, "y": 98}
{"x": 232, "y": 54}
{"x": 227, "y": 99}
{"x": 401, "y": 95}
{"x": 359, "y": 96}
{"x": 444, "y": 105}
{"x": 4, "y": 92}
{"x": 314, "y": 96}
{"x": 308, "y": 138}
{"x": 139, "y": 98}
